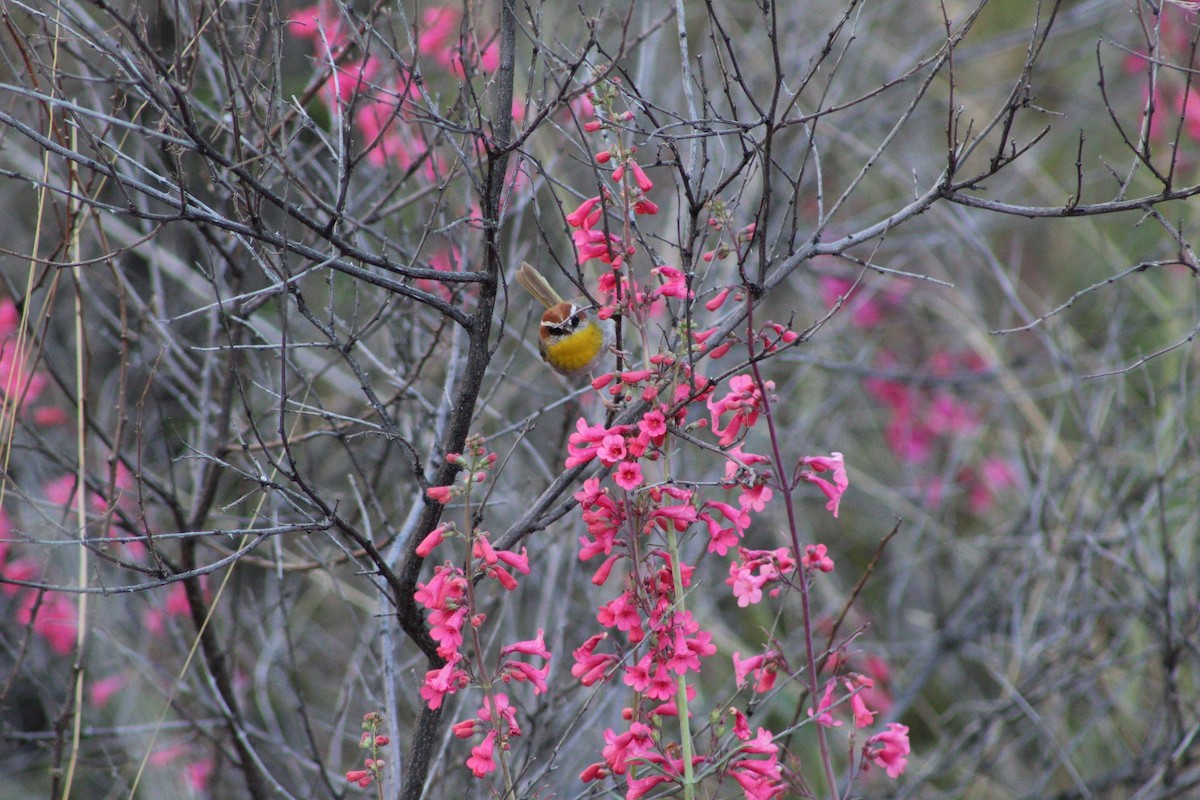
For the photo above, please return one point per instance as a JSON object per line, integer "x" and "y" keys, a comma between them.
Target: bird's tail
{"x": 536, "y": 285}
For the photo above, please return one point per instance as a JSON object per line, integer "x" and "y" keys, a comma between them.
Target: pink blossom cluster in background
{"x": 1174, "y": 96}
{"x": 20, "y": 384}
{"x": 927, "y": 412}
{"x": 51, "y": 618}
{"x": 383, "y": 104}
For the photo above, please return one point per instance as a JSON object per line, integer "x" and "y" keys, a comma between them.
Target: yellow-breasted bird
{"x": 572, "y": 338}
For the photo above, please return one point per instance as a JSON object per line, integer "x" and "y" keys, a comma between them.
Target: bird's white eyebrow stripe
{"x": 548, "y": 324}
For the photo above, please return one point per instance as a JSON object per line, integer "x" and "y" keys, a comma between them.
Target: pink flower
{"x": 681, "y": 516}
{"x": 747, "y": 586}
{"x": 863, "y": 716}
{"x": 607, "y": 248}
{"x": 501, "y": 711}
{"x": 621, "y": 748}
{"x": 622, "y": 613}
{"x": 431, "y": 542}
{"x": 760, "y": 778}
{"x": 102, "y": 690}
{"x": 586, "y": 215}
{"x": 823, "y": 716}
{"x": 889, "y": 749}
{"x": 440, "y": 682}
{"x": 482, "y": 760}
{"x": 834, "y": 464}
{"x": 590, "y": 666}
{"x": 866, "y": 311}
{"x": 744, "y": 401}
{"x": 440, "y": 494}
{"x": 674, "y": 283}
{"x": 360, "y": 776}
{"x": 529, "y": 647}
{"x": 654, "y": 425}
{"x": 583, "y": 445}
{"x": 197, "y": 774}
{"x": 644, "y": 206}
{"x": 56, "y": 620}
{"x": 815, "y": 558}
{"x": 718, "y": 300}
{"x": 628, "y": 475}
{"x": 764, "y": 667}
{"x": 643, "y": 182}
{"x": 611, "y": 450}
{"x": 521, "y": 672}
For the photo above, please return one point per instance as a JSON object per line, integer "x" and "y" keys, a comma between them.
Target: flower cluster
{"x": 449, "y": 598}
{"x": 52, "y": 615}
{"x": 382, "y": 105}
{"x": 372, "y": 741}
{"x": 926, "y": 416}
{"x": 20, "y": 385}
{"x": 1174, "y": 94}
{"x": 196, "y": 772}
{"x": 640, "y": 510}
{"x": 659, "y": 645}
{"x": 632, "y": 185}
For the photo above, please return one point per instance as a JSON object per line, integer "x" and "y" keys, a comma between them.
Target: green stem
{"x": 681, "y": 699}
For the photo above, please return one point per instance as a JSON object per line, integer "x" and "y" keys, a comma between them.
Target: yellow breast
{"x": 575, "y": 351}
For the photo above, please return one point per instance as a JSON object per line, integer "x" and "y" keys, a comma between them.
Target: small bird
{"x": 573, "y": 340}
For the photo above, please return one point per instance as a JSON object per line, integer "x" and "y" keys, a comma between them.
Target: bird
{"x": 572, "y": 338}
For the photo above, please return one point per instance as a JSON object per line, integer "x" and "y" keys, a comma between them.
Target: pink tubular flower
{"x": 863, "y": 716}
{"x": 440, "y": 494}
{"x": 815, "y": 558}
{"x": 529, "y": 647}
{"x": 644, "y": 183}
{"x": 744, "y": 401}
{"x": 764, "y": 667}
{"x": 521, "y": 672}
{"x": 482, "y": 760}
{"x": 628, "y": 475}
{"x": 760, "y": 778}
{"x": 465, "y": 729}
{"x": 719, "y": 299}
{"x": 646, "y": 207}
{"x": 101, "y": 691}
{"x": 608, "y": 248}
{"x": 55, "y": 620}
{"x": 654, "y": 425}
{"x": 590, "y": 666}
{"x": 360, "y": 776}
{"x": 747, "y": 586}
{"x": 430, "y": 542}
{"x": 611, "y": 450}
{"x": 889, "y": 749}
{"x": 674, "y": 283}
{"x": 621, "y": 748}
{"x": 622, "y": 613}
{"x": 586, "y": 215}
{"x": 583, "y": 445}
{"x": 441, "y": 682}
{"x": 681, "y": 516}
{"x": 823, "y": 716}
{"x": 835, "y": 464}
